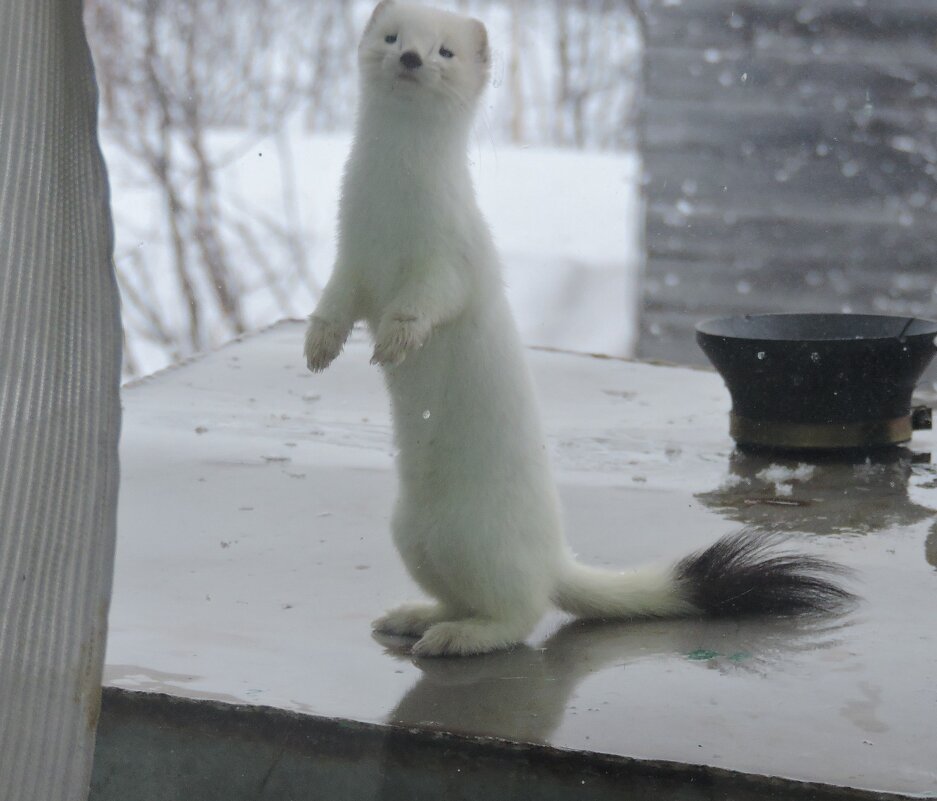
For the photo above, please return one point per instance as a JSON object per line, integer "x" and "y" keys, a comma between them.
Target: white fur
{"x": 477, "y": 522}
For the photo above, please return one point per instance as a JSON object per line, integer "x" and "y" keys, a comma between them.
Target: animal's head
{"x": 423, "y": 54}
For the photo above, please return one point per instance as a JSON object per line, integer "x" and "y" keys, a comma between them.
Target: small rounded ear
{"x": 481, "y": 41}
{"x": 378, "y": 10}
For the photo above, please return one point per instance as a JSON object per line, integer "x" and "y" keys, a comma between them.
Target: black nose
{"x": 411, "y": 60}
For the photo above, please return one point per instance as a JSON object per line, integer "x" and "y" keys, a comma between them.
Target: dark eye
{"x": 390, "y": 38}
{"x": 445, "y": 53}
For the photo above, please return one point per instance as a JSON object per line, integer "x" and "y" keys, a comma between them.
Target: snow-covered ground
{"x": 567, "y": 224}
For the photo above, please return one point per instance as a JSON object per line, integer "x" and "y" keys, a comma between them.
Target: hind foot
{"x": 411, "y": 620}
{"x": 468, "y": 637}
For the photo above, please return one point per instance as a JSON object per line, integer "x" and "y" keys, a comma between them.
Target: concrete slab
{"x": 254, "y": 550}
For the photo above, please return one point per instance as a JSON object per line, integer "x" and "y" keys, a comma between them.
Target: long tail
{"x": 741, "y": 574}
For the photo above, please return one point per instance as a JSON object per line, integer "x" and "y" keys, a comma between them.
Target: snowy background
{"x": 225, "y": 127}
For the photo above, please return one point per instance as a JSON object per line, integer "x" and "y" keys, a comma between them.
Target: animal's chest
{"x": 403, "y": 226}
{"x": 395, "y": 224}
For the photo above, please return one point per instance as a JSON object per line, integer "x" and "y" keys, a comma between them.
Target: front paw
{"x": 398, "y": 335}
{"x": 324, "y": 341}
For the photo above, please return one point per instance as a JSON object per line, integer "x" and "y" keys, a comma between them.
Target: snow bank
{"x": 567, "y": 224}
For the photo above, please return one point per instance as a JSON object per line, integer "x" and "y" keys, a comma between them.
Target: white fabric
{"x": 59, "y": 412}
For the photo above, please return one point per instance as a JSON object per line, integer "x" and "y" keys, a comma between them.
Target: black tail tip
{"x": 746, "y": 574}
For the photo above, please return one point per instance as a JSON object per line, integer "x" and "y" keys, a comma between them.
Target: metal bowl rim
{"x": 717, "y": 327}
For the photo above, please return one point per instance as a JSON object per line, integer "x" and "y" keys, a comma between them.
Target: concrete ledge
{"x": 154, "y": 747}
{"x": 253, "y": 551}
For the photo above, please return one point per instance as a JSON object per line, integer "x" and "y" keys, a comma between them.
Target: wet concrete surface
{"x": 254, "y": 550}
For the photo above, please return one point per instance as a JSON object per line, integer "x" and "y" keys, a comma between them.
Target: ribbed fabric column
{"x": 59, "y": 410}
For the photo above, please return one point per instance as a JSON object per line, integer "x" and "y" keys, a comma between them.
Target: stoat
{"x": 477, "y": 522}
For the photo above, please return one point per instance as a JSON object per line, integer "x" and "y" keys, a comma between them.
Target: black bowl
{"x": 820, "y": 381}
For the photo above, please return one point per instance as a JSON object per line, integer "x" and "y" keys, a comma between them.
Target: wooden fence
{"x": 791, "y": 161}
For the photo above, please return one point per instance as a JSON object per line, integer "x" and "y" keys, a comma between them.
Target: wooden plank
{"x": 766, "y": 81}
{"x": 687, "y": 8}
{"x": 706, "y": 23}
{"x": 795, "y": 247}
{"x": 863, "y": 184}
{"x": 734, "y": 130}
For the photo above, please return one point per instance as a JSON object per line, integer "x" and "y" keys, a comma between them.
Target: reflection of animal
{"x": 483, "y": 696}
{"x": 477, "y": 522}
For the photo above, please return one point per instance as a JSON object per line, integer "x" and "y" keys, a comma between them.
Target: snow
{"x": 567, "y": 224}
{"x": 783, "y": 477}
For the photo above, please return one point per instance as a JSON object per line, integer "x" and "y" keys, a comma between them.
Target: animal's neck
{"x": 418, "y": 135}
